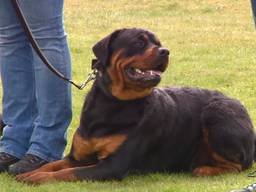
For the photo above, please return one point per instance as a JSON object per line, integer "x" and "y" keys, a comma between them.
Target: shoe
{"x": 28, "y": 163}
{"x": 6, "y": 160}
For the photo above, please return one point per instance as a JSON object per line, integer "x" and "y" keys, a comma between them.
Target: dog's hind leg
{"x": 209, "y": 163}
{"x": 228, "y": 139}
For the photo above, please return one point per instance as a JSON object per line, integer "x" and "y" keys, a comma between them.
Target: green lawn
{"x": 212, "y": 44}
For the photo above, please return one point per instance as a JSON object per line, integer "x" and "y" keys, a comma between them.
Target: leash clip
{"x": 91, "y": 76}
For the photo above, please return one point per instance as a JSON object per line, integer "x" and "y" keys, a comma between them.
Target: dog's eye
{"x": 140, "y": 44}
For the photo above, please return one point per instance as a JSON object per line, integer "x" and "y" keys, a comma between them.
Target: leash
{"x": 34, "y": 44}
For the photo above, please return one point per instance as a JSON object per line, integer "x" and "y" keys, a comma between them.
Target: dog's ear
{"x": 102, "y": 50}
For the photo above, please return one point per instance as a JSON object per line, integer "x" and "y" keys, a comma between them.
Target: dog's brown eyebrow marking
{"x": 154, "y": 39}
{"x": 148, "y": 37}
{"x": 144, "y": 37}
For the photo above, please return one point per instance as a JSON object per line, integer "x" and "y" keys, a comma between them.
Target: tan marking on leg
{"x": 50, "y": 167}
{"x": 216, "y": 170}
{"x": 102, "y": 147}
{"x": 218, "y": 164}
{"x": 107, "y": 145}
{"x": 46, "y": 177}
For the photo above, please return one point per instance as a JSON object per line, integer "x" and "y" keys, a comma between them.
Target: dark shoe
{"x": 6, "y": 160}
{"x": 28, "y": 163}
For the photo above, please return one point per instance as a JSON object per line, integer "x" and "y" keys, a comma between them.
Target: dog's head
{"x": 133, "y": 59}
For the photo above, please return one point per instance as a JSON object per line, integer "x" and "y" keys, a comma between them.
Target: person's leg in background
{"x": 17, "y": 74}
{"x": 254, "y": 10}
{"x": 52, "y": 95}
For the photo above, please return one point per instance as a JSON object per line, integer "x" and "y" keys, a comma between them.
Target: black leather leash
{"x": 36, "y": 47}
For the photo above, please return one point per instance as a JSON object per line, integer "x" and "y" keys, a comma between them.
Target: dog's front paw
{"x": 20, "y": 177}
{"x": 35, "y": 179}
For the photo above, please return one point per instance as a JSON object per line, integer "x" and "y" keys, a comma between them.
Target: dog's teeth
{"x": 138, "y": 71}
{"x": 151, "y": 72}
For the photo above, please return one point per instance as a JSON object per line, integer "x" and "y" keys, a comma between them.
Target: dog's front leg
{"x": 108, "y": 169}
{"x": 97, "y": 172}
{"x": 49, "y": 167}
{"x": 115, "y": 166}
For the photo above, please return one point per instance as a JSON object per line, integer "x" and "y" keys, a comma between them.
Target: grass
{"x": 212, "y": 45}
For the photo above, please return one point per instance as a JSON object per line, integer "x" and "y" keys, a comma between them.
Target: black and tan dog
{"x": 129, "y": 125}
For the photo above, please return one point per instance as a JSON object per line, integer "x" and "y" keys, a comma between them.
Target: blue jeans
{"x": 36, "y": 103}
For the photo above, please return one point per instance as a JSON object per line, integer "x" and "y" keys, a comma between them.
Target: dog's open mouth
{"x": 143, "y": 75}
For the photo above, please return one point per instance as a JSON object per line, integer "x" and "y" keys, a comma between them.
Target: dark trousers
{"x": 254, "y": 10}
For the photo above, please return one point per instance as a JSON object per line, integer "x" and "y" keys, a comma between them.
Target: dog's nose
{"x": 164, "y": 52}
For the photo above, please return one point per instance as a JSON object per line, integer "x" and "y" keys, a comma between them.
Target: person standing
{"x": 36, "y": 104}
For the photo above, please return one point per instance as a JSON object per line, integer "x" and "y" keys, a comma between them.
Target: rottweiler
{"x": 128, "y": 125}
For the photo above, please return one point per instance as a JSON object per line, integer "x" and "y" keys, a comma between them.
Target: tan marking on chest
{"x": 102, "y": 147}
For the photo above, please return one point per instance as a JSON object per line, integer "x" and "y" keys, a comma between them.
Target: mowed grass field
{"x": 212, "y": 44}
